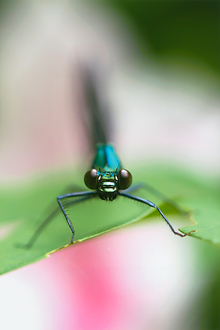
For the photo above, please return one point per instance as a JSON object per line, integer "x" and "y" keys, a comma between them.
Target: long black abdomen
{"x": 98, "y": 120}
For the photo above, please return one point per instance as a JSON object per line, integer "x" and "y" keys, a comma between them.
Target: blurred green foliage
{"x": 207, "y": 306}
{"x": 202, "y": 311}
{"x": 181, "y": 30}
{"x": 4, "y": 5}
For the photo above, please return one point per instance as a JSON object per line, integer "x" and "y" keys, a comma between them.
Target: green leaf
{"x": 199, "y": 194}
{"x": 25, "y": 206}
{"x": 204, "y": 200}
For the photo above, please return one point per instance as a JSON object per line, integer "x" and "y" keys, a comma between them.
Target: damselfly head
{"x": 107, "y": 186}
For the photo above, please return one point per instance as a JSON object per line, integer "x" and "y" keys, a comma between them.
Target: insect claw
{"x": 187, "y": 234}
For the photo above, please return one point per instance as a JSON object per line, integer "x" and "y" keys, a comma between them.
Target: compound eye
{"x": 125, "y": 179}
{"x": 91, "y": 179}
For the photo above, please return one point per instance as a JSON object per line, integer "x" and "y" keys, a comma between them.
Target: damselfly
{"x": 106, "y": 178}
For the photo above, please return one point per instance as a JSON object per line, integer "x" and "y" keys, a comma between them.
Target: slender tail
{"x": 96, "y": 116}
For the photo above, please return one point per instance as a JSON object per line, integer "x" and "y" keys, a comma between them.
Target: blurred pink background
{"x": 130, "y": 278}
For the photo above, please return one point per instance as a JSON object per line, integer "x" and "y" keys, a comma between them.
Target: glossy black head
{"x": 107, "y": 183}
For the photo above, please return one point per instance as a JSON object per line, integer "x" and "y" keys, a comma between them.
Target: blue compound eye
{"x": 124, "y": 179}
{"x": 91, "y": 179}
